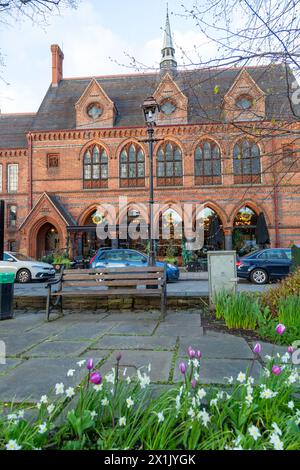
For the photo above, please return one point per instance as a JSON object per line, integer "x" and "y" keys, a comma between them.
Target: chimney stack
{"x": 57, "y": 64}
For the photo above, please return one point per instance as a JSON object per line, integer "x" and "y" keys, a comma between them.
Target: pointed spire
{"x": 168, "y": 52}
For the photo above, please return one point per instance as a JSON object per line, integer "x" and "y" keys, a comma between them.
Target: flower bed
{"x": 120, "y": 412}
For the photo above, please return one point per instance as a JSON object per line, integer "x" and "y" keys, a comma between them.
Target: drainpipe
{"x": 275, "y": 199}
{"x": 29, "y": 138}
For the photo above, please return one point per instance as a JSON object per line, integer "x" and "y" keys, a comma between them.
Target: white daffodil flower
{"x": 254, "y": 432}
{"x": 129, "y": 402}
{"x": 70, "y": 392}
{"x": 12, "y": 445}
{"x": 42, "y": 428}
{"x": 122, "y": 421}
{"x": 59, "y": 389}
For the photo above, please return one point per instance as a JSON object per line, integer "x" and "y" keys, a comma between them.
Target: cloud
{"x": 91, "y": 48}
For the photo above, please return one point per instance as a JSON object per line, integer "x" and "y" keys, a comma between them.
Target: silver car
{"x": 25, "y": 268}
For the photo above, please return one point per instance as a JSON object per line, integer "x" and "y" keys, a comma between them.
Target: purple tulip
{"x": 276, "y": 370}
{"x": 118, "y": 356}
{"x": 191, "y": 353}
{"x": 280, "y": 329}
{"x": 194, "y": 383}
{"x": 96, "y": 378}
{"x": 90, "y": 364}
{"x": 291, "y": 349}
{"x": 257, "y": 348}
{"x": 199, "y": 354}
{"x": 182, "y": 367}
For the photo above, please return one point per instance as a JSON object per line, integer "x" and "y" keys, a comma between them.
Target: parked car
{"x": 121, "y": 258}
{"x": 25, "y": 268}
{"x": 266, "y": 265}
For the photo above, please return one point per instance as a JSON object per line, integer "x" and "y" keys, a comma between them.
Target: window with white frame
{"x": 12, "y": 178}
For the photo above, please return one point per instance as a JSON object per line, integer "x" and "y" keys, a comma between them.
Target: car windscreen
{"x": 22, "y": 257}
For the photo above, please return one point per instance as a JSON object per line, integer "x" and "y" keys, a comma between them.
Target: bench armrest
{"x": 52, "y": 283}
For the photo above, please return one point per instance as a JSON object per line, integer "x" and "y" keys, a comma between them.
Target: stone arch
{"x": 253, "y": 206}
{"x": 92, "y": 142}
{"x": 93, "y": 208}
{"x": 35, "y": 230}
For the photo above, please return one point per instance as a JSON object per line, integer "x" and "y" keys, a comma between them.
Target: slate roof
{"x": 13, "y": 129}
{"x": 128, "y": 92}
{"x": 61, "y": 208}
{"x": 57, "y": 110}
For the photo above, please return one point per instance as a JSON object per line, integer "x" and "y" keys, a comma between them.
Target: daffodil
{"x": 160, "y": 417}
{"x": 122, "y": 421}
{"x": 42, "y": 428}
{"x": 129, "y": 402}
{"x": 70, "y": 392}
{"x": 59, "y": 388}
{"x": 254, "y": 432}
{"x": 12, "y": 445}
{"x": 71, "y": 372}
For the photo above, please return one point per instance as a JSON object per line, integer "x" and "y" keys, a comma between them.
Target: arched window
{"x": 169, "y": 165}
{"x": 132, "y": 166}
{"x": 95, "y": 168}
{"x": 246, "y": 162}
{"x": 208, "y": 163}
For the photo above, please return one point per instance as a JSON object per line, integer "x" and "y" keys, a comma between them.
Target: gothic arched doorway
{"x": 47, "y": 240}
{"x": 243, "y": 235}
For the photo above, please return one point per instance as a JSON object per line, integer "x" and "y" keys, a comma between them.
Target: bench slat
{"x": 91, "y": 277}
{"x": 134, "y": 269}
{"x": 109, "y": 292}
{"x": 116, "y": 283}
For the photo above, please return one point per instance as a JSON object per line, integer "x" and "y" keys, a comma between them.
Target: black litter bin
{"x": 6, "y": 295}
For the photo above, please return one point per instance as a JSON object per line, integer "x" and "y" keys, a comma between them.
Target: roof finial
{"x": 168, "y": 52}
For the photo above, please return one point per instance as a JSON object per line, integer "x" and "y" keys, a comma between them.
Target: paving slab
{"x": 134, "y": 328}
{"x": 18, "y": 343}
{"x": 160, "y": 361}
{"x": 214, "y": 371}
{"x": 136, "y": 342}
{"x": 58, "y": 349}
{"x": 10, "y": 364}
{"x": 36, "y": 377}
{"x": 179, "y": 329}
{"x": 133, "y": 316}
{"x": 82, "y": 330}
{"x": 224, "y": 347}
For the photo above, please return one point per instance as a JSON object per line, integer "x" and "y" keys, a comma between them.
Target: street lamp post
{"x": 150, "y": 109}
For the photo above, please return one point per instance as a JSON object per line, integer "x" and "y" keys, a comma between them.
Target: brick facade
{"x": 276, "y": 195}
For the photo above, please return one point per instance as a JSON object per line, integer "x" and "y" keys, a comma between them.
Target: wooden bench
{"x": 143, "y": 281}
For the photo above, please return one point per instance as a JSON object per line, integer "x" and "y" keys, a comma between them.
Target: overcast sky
{"x": 89, "y": 36}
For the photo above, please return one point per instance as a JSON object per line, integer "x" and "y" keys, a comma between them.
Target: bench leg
{"x": 48, "y": 306}
{"x": 61, "y": 306}
{"x": 163, "y": 305}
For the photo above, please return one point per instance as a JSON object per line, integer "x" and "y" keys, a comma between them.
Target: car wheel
{"x": 259, "y": 276}
{"x": 23, "y": 276}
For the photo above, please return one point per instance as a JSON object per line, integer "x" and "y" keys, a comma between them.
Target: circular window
{"x": 94, "y": 110}
{"x": 244, "y": 102}
{"x": 168, "y": 108}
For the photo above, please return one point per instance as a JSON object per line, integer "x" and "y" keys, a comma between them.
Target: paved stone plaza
{"x": 39, "y": 354}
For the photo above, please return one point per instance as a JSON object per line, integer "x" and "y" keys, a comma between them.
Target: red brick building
{"x": 227, "y": 139}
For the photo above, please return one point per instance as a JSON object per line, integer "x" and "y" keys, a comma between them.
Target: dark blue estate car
{"x": 263, "y": 266}
{"x": 121, "y": 258}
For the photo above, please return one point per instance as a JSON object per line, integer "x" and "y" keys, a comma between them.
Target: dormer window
{"x": 244, "y": 103}
{"x": 94, "y": 110}
{"x": 168, "y": 107}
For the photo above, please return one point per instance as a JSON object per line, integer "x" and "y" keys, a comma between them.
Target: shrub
{"x": 122, "y": 413}
{"x": 289, "y": 311}
{"x": 239, "y": 311}
{"x": 287, "y": 287}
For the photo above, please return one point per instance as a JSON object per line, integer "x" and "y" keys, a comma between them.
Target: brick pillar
{"x": 228, "y": 238}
